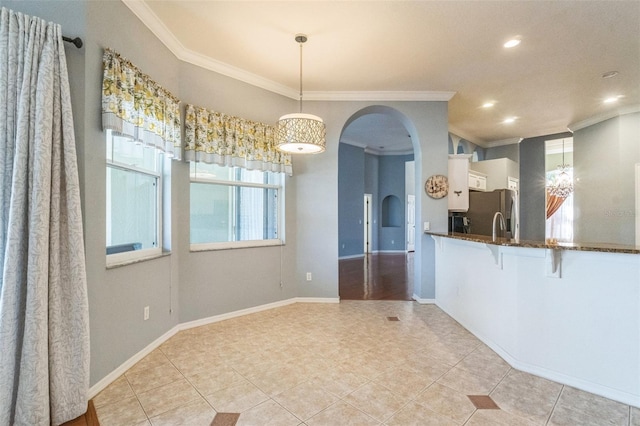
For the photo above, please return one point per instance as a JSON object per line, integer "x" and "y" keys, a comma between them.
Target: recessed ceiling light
{"x": 488, "y": 104}
{"x": 509, "y": 120}
{"x": 609, "y": 74}
{"x": 612, "y": 99}
{"x": 512, "y": 43}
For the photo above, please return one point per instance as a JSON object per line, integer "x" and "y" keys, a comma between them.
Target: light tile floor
{"x": 342, "y": 364}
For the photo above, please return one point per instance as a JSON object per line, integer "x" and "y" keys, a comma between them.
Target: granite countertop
{"x": 601, "y": 247}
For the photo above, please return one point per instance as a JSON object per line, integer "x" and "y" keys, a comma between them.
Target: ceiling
{"x": 422, "y": 50}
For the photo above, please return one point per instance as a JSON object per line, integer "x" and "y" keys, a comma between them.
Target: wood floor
{"x": 90, "y": 418}
{"x": 377, "y": 277}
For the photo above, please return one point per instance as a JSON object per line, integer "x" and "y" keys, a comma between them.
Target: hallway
{"x": 377, "y": 277}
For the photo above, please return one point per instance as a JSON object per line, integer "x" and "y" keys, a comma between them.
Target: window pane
{"x": 132, "y": 222}
{"x": 124, "y": 151}
{"x": 256, "y": 214}
{"x": 210, "y": 213}
{"x": 210, "y": 171}
{"x": 221, "y": 213}
{"x": 253, "y": 176}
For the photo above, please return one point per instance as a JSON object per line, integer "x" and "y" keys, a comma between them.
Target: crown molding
{"x": 157, "y": 27}
{"x": 374, "y": 151}
{"x": 160, "y": 30}
{"x": 602, "y": 117}
{"x": 411, "y": 96}
{"x": 385, "y": 153}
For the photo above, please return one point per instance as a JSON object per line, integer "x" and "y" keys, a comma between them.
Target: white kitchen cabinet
{"x": 477, "y": 181}
{"x": 500, "y": 172}
{"x": 458, "y": 197}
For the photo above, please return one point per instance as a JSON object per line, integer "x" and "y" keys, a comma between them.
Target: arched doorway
{"x": 376, "y": 165}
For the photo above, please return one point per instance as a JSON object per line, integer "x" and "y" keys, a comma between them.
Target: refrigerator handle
{"x": 515, "y": 218}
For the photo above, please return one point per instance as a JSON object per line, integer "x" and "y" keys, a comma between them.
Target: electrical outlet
{"x": 146, "y": 313}
{"x": 308, "y": 276}
{"x": 393, "y": 242}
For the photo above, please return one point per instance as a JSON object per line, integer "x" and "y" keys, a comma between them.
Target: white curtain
{"x": 44, "y": 327}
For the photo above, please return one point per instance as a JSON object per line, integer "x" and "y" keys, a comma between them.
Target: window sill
{"x": 194, "y": 248}
{"x": 122, "y": 263}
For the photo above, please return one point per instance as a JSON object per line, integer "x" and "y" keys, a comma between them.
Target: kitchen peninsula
{"x": 566, "y": 312}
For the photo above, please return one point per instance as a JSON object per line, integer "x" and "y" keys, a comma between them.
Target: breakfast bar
{"x": 566, "y": 312}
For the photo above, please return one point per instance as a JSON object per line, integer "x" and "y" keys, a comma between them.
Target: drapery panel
{"x": 44, "y": 318}
{"x": 553, "y": 204}
{"x": 135, "y": 106}
{"x": 216, "y": 138}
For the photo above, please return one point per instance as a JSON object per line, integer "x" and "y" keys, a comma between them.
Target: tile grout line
{"x": 137, "y": 399}
{"x": 555, "y": 405}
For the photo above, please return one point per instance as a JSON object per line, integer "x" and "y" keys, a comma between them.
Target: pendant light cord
{"x": 300, "y": 43}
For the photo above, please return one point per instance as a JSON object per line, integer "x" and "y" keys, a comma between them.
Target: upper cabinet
{"x": 500, "y": 173}
{"x": 458, "y": 197}
{"x": 477, "y": 181}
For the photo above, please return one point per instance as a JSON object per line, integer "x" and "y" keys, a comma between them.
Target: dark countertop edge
{"x": 506, "y": 242}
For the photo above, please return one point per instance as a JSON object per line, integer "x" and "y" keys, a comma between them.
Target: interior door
{"x": 411, "y": 222}
{"x": 368, "y": 198}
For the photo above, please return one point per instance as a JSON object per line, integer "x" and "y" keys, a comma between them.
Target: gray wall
{"x": 532, "y": 186}
{"x": 511, "y": 151}
{"x": 186, "y": 286}
{"x": 604, "y": 158}
{"x": 392, "y": 182}
{"x": 361, "y": 173}
{"x": 351, "y": 183}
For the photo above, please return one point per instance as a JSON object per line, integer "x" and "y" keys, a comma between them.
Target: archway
{"x": 376, "y": 144}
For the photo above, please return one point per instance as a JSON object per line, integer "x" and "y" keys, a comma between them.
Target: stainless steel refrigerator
{"x": 483, "y": 207}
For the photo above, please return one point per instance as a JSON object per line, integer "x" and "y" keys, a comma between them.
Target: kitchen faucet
{"x": 502, "y": 224}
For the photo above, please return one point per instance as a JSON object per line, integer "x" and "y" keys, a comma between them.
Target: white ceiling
{"x": 422, "y": 50}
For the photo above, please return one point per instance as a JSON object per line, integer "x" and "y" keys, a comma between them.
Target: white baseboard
{"x": 353, "y": 256}
{"x": 109, "y": 378}
{"x": 424, "y": 301}
{"x": 587, "y": 386}
{"x": 317, "y": 299}
{"x": 234, "y": 314}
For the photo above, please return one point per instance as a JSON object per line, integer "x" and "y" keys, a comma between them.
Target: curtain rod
{"x": 76, "y": 41}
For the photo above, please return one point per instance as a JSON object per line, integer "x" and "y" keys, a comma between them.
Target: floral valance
{"x": 135, "y": 106}
{"x": 216, "y": 138}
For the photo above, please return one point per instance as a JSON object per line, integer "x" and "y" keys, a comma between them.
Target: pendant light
{"x": 300, "y": 133}
{"x": 562, "y": 186}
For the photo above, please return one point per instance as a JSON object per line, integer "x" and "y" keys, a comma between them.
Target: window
{"x": 134, "y": 200}
{"x": 235, "y": 207}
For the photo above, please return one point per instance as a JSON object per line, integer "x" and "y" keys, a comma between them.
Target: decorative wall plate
{"x": 437, "y": 186}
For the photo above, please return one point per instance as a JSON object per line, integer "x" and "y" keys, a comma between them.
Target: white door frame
{"x": 411, "y": 222}
{"x": 367, "y": 222}
{"x": 637, "y": 212}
